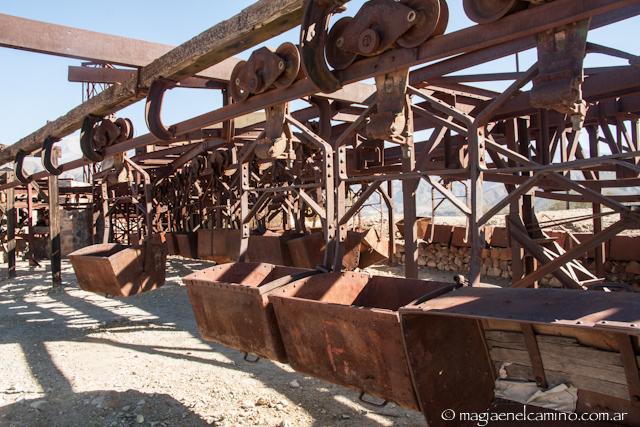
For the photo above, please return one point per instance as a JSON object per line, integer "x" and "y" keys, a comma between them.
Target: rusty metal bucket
{"x": 271, "y": 247}
{"x": 186, "y": 244}
{"x": 118, "y": 270}
{"x": 460, "y": 343}
{"x": 344, "y": 328}
{"x": 221, "y": 245}
{"x": 231, "y": 306}
{"x": 362, "y": 249}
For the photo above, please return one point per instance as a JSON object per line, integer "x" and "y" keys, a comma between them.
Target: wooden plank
{"x": 565, "y": 361}
{"x": 54, "y": 232}
{"x": 255, "y": 24}
{"x": 11, "y": 227}
{"x": 26, "y": 34}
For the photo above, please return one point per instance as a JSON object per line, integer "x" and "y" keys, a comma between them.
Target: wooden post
{"x": 11, "y": 227}
{"x": 54, "y": 232}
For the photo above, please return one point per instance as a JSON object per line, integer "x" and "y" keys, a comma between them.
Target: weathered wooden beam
{"x": 11, "y": 227}
{"x": 54, "y": 232}
{"x": 52, "y": 39}
{"x": 255, "y": 24}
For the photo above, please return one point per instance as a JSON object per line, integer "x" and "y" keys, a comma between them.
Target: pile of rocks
{"x": 444, "y": 248}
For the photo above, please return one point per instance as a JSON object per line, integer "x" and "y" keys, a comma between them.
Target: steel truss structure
{"x": 559, "y": 131}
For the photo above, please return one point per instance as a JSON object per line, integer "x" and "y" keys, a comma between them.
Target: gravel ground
{"x": 72, "y": 358}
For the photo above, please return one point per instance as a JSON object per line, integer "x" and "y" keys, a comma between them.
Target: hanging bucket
{"x": 186, "y": 244}
{"x": 231, "y": 305}
{"x": 221, "y": 245}
{"x": 118, "y": 270}
{"x": 344, "y": 328}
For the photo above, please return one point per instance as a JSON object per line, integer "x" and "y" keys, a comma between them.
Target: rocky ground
{"x": 71, "y": 358}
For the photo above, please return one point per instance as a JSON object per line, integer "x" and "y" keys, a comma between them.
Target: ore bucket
{"x": 231, "y": 305}
{"x": 118, "y": 270}
{"x": 344, "y": 328}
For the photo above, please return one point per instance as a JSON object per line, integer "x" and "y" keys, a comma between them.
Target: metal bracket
{"x": 19, "y": 168}
{"x": 153, "y": 109}
{"x": 49, "y": 161}
{"x": 313, "y": 40}
{"x": 276, "y": 143}
{"x": 390, "y": 120}
{"x": 558, "y": 85}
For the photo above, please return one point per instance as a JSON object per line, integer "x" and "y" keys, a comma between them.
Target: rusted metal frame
{"x": 517, "y": 231}
{"x": 305, "y": 87}
{"x": 442, "y": 107}
{"x": 630, "y": 364}
{"x": 462, "y": 37}
{"x": 54, "y": 231}
{"x": 357, "y": 205}
{"x": 606, "y": 19}
{"x": 346, "y": 135}
{"x": 330, "y": 224}
{"x": 595, "y": 196}
{"x": 11, "y": 214}
{"x": 387, "y": 197}
{"x": 609, "y": 51}
{"x": 572, "y": 254}
{"x": 257, "y": 207}
{"x": 440, "y": 121}
{"x": 515, "y": 195}
{"x": 477, "y": 142}
{"x": 255, "y": 24}
{"x": 104, "y": 212}
{"x": 29, "y": 236}
{"x": 148, "y": 194}
{"x": 312, "y": 204}
{"x": 556, "y": 167}
{"x": 448, "y": 195}
{"x": 185, "y": 158}
{"x": 531, "y": 342}
{"x": 516, "y": 26}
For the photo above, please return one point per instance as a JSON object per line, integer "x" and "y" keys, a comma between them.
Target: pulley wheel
{"x": 290, "y": 54}
{"x": 238, "y": 93}
{"x": 338, "y": 58}
{"x": 487, "y": 11}
{"x": 427, "y": 21}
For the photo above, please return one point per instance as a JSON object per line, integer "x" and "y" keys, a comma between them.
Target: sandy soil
{"x": 71, "y": 358}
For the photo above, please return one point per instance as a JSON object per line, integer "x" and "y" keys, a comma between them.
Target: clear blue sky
{"x": 34, "y": 87}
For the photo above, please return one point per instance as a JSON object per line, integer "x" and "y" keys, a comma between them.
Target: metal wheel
{"x": 238, "y": 93}
{"x": 338, "y": 58}
{"x": 487, "y": 11}
{"x": 427, "y": 21}
{"x": 291, "y": 55}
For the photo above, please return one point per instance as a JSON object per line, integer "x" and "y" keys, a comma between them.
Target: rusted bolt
{"x": 281, "y": 65}
{"x": 340, "y": 42}
{"x": 411, "y": 16}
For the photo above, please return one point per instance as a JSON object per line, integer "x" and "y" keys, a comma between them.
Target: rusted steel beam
{"x": 255, "y": 24}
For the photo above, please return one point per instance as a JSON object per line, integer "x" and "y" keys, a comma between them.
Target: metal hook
{"x": 313, "y": 40}
{"x": 19, "y": 171}
{"x": 153, "y": 109}
{"x": 48, "y": 161}
{"x": 86, "y": 139}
